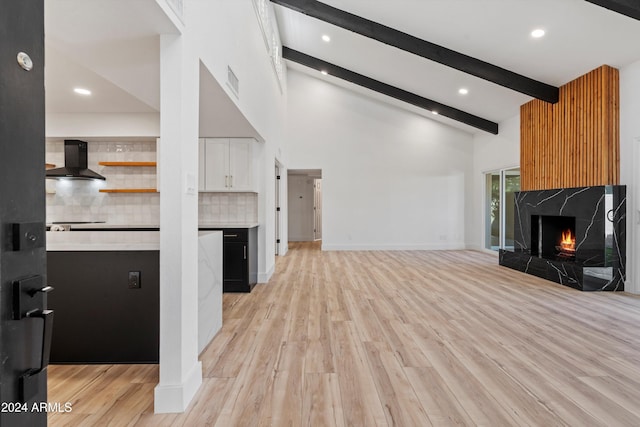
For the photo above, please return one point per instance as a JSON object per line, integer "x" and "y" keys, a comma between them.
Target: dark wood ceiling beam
{"x": 392, "y": 91}
{"x": 630, "y": 8}
{"x": 425, "y": 49}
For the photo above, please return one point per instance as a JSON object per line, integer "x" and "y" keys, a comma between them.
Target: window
{"x": 499, "y": 200}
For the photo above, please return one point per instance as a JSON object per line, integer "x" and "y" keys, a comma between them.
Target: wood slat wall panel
{"x": 575, "y": 142}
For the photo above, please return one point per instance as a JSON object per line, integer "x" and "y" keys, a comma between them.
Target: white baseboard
{"x": 175, "y": 398}
{"x": 446, "y": 246}
{"x": 489, "y": 252}
{"x": 265, "y": 277}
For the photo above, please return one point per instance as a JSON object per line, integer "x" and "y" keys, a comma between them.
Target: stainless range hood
{"x": 75, "y": 162}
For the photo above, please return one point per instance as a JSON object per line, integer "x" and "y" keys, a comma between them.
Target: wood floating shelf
{"x": 127, "y": 163}
{"x": 128, "y": 190}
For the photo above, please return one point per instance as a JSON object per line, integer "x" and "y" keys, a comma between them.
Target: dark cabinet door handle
{"x": 47, "y": 332}
{"x": 44, "y": 290}
{"x": 245, "y": 251}
{"x": 230, "y": 235}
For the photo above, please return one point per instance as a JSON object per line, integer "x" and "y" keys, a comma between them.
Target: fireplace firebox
{"x": 553, "y": 237}
{"x": 572, "y": 236}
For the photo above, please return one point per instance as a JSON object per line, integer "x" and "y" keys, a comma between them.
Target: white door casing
{"x": 317, "y": 214}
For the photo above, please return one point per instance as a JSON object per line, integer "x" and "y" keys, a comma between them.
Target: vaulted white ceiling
{"x": 111, "y": 45}
{"x": 107, "y": 44}
{"x": 580, "y": 36}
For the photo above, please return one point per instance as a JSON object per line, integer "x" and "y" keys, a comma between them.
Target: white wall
{"x": 391, "y": 179}
{"x": 491, "y": 152}
{"x": 102, "y": 125}
{"x": 630, "y": 166}
{"x": 229, "y": 35}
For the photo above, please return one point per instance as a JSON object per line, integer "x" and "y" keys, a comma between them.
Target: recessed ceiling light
{"x": 82, "y": 91}
{"x": 537, "y": 33}
{"x": 463, "y": 91}
{"x": 324, "y": 72}
{"x": 326, "y": 38}
{"x": 434, "y": 112}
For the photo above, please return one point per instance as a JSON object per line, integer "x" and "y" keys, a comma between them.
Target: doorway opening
{"x": 500, "y": 189}
{"x": 278, "y": 181}
{"x": 304, "y": 205}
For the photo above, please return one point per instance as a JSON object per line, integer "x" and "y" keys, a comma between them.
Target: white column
{"x": 180, "y": 370}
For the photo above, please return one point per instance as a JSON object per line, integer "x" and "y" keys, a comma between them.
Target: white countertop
{"x": 228, "y": 225}
{"x": 107, "y": 226}
{"x": 112, "y": 241}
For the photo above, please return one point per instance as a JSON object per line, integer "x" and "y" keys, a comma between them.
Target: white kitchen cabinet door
{"x": 217, "y": 176}
{"x": 240, "y": 164}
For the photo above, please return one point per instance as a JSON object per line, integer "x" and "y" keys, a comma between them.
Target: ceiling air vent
{"x": 233, "y": 82}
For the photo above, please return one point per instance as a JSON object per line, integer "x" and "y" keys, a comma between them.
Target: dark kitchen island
{"x": 106, "y": 296}
{"x": 100, "y": 316}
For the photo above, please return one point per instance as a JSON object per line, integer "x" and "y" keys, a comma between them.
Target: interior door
{"x": 317, "y": 209}
{"x": 25, "y": 325}
{"x": 300, "y": 204}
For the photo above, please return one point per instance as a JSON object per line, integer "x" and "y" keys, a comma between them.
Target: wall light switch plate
{"x": 190, "y": 184}
{"x": 134, "y": 280}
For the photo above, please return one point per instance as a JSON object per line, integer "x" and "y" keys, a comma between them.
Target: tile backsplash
{"x": 80, "y": 200}
{"x": 228, "y": 207}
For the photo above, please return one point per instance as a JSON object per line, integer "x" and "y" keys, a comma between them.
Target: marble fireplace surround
{"x": 600, "y": 228}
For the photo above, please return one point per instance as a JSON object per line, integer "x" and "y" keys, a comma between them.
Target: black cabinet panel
{"x": 98, "y": 317}
{"x": 240, "y": 258}
{"x": 235, "y": 264}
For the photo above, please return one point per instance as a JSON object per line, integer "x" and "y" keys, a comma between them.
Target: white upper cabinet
{"x": 226, "y": 164}
{"x": 216, "y": 167}
{"x": 240, "y": 164}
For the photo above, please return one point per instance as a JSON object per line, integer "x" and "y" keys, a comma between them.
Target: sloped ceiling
{"x": 114, "y": 44}
{"x": 580, "y": 36}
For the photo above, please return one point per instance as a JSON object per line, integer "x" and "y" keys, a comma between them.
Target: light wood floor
{"x": 403, "y": 338}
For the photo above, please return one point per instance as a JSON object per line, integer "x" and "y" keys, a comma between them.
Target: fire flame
{"x": 568, "y": 242}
